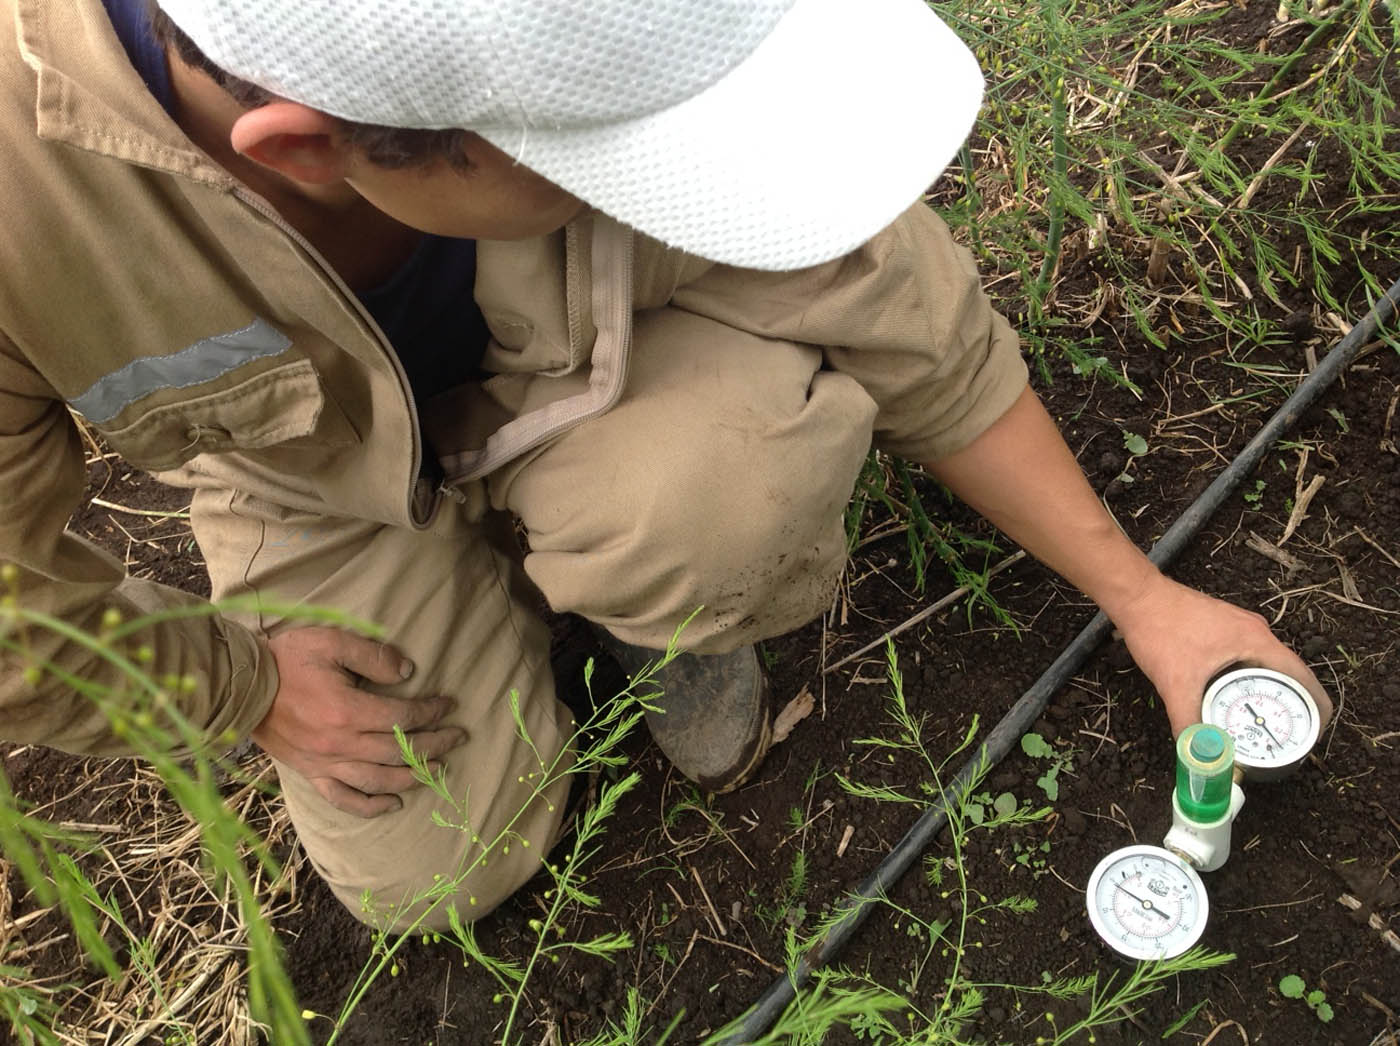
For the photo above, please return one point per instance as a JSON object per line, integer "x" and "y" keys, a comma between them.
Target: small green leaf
{"x": 1324, "y": 1012}
{"x": 1005, "y": 804}
{"x": 1036, "y": 746}
{"x": 1185, "y": 1019}
{"x": 1291, "y": 986}
{"x": 1049, "y": 785}
{"x": 1133, "y": 443}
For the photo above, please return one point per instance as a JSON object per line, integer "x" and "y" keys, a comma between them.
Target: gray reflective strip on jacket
{"x": 205, "y": 360}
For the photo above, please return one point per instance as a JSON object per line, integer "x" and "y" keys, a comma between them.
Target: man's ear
{"x": 296, "y": 141}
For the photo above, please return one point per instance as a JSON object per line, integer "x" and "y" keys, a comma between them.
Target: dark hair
{"x": 394, "y": 147}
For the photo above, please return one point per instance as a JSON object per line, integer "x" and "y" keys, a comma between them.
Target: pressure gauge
{"x": 1147, "y": 903}
{"x": 1271, "y": 717}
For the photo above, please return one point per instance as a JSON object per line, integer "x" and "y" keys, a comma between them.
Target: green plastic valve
{"x": 1205, "y": 763}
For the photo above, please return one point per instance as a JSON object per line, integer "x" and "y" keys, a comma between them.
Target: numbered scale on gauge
{"x": 1271, "y": 717}
{"x": 1147, "y": 903}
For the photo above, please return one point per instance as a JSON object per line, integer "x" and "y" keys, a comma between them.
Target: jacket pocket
{"x": 282, "y": 405}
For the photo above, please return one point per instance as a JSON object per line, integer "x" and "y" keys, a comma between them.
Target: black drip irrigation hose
{"x": 1027, "y": 710}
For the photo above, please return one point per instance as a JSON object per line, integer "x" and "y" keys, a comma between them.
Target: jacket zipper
{"x": 265, "y": 209}
{"x": 611, "y": 273}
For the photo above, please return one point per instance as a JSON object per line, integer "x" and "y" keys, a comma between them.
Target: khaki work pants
{"x": 720, "y": 479}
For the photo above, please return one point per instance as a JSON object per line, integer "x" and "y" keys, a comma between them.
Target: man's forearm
{"x": 1021, "y": 476}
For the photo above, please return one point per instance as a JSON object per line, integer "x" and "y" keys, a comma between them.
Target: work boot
{"x": 715, "y": 722}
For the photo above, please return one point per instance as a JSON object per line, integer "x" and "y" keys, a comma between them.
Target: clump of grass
{"x": 27, "y": 1007}
{"x": 143, "y": 711}
{"x": 889, "y": 484}
{"x": 1112, "y": 138}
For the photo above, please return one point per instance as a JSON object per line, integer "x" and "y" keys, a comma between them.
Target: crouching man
{"x": 377, "y": 279}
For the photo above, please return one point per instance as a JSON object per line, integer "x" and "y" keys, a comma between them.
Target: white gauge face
{"x": 1147, "y": 903}
{"x": 1271, "y": 717}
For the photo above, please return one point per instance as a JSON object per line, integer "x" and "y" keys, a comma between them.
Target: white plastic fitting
{"x": 1203, "y": 846}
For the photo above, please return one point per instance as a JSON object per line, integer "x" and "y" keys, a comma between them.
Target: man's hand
{"x": 1021, "y": 476}
{"x": 339, "y": 736}
{"x": 1181, "y": 638}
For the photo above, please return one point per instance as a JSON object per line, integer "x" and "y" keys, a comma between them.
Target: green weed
{"x": 143, "y": 711}
{"x": 26, "y": 1008}
{"x": 942, "y": 999}
{"x": 788, "y": 907}
{"x": 890, "y": 484}
{"x": 1060, "y": 761}
{"x": 1292, "y": 986}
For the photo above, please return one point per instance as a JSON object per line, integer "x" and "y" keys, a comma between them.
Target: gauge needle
{"x": 1142, "y": 901}
{"x": 1259, "y": 722}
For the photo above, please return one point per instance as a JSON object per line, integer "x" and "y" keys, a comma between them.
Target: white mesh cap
{"x": 770, "y": 134}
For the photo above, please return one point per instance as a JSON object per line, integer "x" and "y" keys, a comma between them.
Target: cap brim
{"x": 819, "y": 139}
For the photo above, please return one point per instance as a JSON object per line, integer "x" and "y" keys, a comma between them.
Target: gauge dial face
{"x": 1271, "y": 717}
{"x": 1147, "y": 903}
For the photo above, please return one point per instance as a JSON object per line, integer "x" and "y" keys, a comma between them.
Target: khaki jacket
{"x": 146, "y": 291}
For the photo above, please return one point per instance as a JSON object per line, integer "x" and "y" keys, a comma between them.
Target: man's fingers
{"x": 370, "y": 659}
{"x": 375, "y": 778}
{"x": 1281, "y": 658}
{"x": 377, "y": 714}
{"x": 383, "y": 748}
{"x": 434, "y": 744}
{"x": 344, "y": 798}
{"x": 1304, "y": 675}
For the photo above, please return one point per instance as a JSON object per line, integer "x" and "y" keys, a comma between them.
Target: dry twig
{"x": 1290, "y": 563}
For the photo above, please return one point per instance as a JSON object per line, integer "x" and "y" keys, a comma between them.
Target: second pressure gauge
{"x": 1147, "y": 903}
